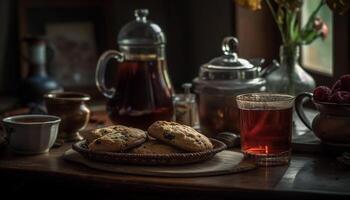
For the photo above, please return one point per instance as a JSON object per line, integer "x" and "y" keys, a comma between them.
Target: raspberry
{"x": 322, "y": 94}
{"x": 336, "y": 86}
{"x": 345, "y": 82}
{"x": 340, "y": 97}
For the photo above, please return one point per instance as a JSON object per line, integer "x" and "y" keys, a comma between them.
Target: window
{"x": 318, "y": 56}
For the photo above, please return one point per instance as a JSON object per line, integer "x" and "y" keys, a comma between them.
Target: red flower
{"x": 321, "y": 27}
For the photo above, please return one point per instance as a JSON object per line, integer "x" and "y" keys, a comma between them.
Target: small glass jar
{"x": 186, "y": 108}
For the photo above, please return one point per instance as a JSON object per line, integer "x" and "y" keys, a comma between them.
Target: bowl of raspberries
{"x": 338, "y": 94}
{"x": 332, "y": 123}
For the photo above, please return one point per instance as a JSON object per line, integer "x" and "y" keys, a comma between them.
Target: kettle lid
{"x": 229, "y": 66}
{"x": 230, "y": 59}
{"x": 141, "y": 31}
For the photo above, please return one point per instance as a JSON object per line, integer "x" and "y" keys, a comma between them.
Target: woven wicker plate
{"x": 151, "y": 159}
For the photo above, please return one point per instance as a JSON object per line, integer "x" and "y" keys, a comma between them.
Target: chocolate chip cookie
{"x": 180, "y": 136}
{"x": 119, "y": 139}
{"x": 155, "y": 147}
{"x": 90, "y": 136}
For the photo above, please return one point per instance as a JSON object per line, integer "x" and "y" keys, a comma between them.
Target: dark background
{"x": 194, "y": 31}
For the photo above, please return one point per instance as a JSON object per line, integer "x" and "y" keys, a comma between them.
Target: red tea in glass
{"x": 266, "y": 127}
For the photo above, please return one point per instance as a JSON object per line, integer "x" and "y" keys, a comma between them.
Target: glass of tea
{"x": 266, "y": 127}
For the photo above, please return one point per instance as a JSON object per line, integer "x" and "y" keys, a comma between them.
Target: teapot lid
{"x": 141, "y": 31}
{"x": 229, "y": 73}
{"x": 229, "y": 66}
{"x": 230, "y": 59}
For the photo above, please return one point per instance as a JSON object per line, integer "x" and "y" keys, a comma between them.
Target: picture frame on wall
{"x": 77, "y": 33}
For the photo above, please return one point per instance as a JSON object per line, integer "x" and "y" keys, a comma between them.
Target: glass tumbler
{"x": 266, "y": 127}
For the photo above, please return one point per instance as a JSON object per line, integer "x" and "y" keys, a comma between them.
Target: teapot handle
{"x": 299, "y": 102}
{"x": 269, "y": 69}
{"x": 101, "y": 69}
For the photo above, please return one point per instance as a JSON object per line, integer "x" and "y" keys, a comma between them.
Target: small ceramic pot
{"x": 71, "y": 108}
{"x": 331, "y": 125}
{"x": 31, "y": 134}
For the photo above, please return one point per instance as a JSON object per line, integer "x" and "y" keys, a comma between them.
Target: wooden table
{"x": 306, "y": 176}
{"x": 316, "y": 176}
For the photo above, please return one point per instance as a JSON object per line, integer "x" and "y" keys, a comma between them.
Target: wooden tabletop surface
{"x": 306, "y": 175}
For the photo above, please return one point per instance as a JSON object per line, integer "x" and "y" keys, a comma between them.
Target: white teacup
{"x": 31, "y": 134}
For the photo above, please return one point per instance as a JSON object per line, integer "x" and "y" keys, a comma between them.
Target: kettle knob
{"x": 141, "y": 14}
{"x": 229, "y": 46}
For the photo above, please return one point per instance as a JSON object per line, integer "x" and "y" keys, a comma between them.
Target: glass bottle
{"x": 185, "y": 107}
{"x": 290, "y": 77}
{"x": 38, "y": 82}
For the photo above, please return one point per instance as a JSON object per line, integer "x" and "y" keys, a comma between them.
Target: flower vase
{"x": 290, "y": 78}
{"x": 38, "y": 82}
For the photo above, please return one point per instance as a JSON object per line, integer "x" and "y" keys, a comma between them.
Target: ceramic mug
{"x": 31, "y": 134}
{"x": 331, "y": 124}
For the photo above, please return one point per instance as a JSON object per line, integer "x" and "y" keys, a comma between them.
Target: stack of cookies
{"x": 161, "y": 138}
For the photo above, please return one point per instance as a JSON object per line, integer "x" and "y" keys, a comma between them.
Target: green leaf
{"x": 280, "y": 16}
{"x": 310, "y": 38}
{"x": 292, "y": 30}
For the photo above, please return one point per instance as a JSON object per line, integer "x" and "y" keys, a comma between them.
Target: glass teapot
{"x": 142, "y": 92}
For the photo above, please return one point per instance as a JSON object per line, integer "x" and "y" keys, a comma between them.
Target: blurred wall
{"x": 257, "y": 32}
{"x": 194, "y": 30}
{"x": 9, "y": 59}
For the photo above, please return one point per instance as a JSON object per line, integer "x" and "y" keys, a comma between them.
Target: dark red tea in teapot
{"x": 141, "y": 93}
{"x": 144, "y": 93}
